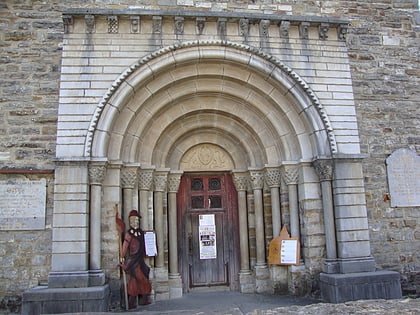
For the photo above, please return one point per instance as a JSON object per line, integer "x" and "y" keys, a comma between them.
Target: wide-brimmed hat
{"x": 134, "y": 213}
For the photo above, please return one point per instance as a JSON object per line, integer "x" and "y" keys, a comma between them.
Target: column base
{"x": 339, "y": 288}
{"x": 262, "y": 279}
{"x": 161, "y": 284}
{"x": 353, "y": 265}
{"x": 175, "y": 286}
{"x": 68, "y": 279}
{"x": 45, "y": 300}
{"x": 246, "y": 281}
{"x": 96, "y": 278}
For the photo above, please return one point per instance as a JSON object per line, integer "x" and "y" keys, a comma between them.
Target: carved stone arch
{"x": 309, "y": 129}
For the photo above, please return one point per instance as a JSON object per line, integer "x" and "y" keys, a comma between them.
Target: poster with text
{"x": 207, "y": 235}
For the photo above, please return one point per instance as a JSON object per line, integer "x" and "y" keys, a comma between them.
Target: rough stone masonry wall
{"x": 383, "y": 41}
{"x": 384, "y": 52}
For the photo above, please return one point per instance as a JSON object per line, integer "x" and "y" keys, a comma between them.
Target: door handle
{"x": 190, "y": 243}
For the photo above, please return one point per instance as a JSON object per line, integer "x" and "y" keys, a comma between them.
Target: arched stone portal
{"x": 288, "y": 159}
{"x": 216, "y": 94}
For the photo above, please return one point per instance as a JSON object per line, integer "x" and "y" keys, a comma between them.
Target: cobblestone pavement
{"x": 386, "y": 307}
{"x": 405, "y": 306}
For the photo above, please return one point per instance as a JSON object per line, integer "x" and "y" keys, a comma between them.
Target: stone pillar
{"x": 246, "y": 280}
{"x": 291, "y": 176}
{"x": 324, "y": 168}
{"x": 160, "y": 181}
{"x": 352, "y": 230}
{"x": 262, "y": 276}
{"x": 174, "y": 178}
{"x": 251, "y": 226}
{"x": 96, "y": 176}
{"x": 175, "y": 282}
{"x": 145, "y": 183}
{"x": 128, "y": 182}
{"x": 257, "y": 182}
{"x": 354, "y": 276}
{"x": 272, "y": 178}
{"x": 70, "y": 237}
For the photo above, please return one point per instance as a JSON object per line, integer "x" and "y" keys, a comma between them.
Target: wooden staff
{"x": 120, "y": 228}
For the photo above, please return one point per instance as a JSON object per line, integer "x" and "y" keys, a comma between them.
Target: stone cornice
{"x": 254, "y": 17}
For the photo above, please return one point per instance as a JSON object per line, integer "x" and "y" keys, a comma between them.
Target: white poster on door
{"x": 207, "y": 235}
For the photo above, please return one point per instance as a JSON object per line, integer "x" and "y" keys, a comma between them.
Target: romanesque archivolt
{"x": 256, "y": 58}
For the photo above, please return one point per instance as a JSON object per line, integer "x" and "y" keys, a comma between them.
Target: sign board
{"x": 150, "y": 243}
{"x": 207, "y": 235}
{"x": 22, "y": 204}
{"x": 284, "y": 250}
{"x": 403, "y": 170}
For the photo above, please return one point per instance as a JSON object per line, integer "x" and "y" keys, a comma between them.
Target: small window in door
{"x": 215, "y": 201}
{"x": 197, "y": 202}
{"x": 197, "y": 184}
{"x": 214, "y": 183}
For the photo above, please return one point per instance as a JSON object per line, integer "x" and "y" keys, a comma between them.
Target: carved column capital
{"x": 272, "y": 176}
{"x": 97, "y": 173}
{"x": 174, "y": 179}
{"x": 290, "y": 174}
{"x": 160, "y": 180}
{"x": 128, "y": 176}
{"x": 324, "y": 169}
{"x": 145, "y": 179}
{"x": 241, "y": 180}
{"x": 257, "y": 179}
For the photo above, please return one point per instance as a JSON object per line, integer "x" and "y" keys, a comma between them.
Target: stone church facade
{"x": 256, "y": 115}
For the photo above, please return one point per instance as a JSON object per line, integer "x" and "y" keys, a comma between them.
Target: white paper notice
{"x": 288, "y": 253}
{"x": 150, "y": 243}
{"x": 207, "y": 235}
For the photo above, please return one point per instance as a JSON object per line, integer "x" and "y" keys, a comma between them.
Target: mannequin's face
{"x": 134, "y": 222}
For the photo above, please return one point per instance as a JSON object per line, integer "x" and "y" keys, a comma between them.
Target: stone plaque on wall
{"x": 22, "y": 204}
{"x": 403, "y": 169}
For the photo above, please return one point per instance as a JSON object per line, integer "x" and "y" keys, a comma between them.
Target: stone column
{"x": 174, "y": 178}
{"x": 241, "y": 182}
{"x": 262, "y": 275}
{"x": 291, "y": 175}
{"x": 175, "y": 282}
{"x": 272, "y": 178}
{"x": 246, "y": 279}
{"x": 96, "y": 176}
{"x": 128, "y": 182}
{"x": 257, "y": 182}
{"x": 145, "y": 183}
{"x": 324, "y": 169}
{"x": 160, "y": 181}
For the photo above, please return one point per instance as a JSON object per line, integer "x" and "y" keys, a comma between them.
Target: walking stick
{"x": 120, "y": 228}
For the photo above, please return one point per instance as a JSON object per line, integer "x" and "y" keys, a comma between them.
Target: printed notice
{"x": 150, "y": 243}
{"x": 289, "y": 252}
{"x": 207, "y": 235}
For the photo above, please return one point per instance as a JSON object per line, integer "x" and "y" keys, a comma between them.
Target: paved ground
{"x": 234, "y": 303}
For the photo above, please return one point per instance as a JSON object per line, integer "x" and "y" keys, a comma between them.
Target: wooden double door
{"x": 208, "y": 231}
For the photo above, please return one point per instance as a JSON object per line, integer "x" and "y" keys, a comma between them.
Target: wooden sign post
{"x": 284, "y": 250}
